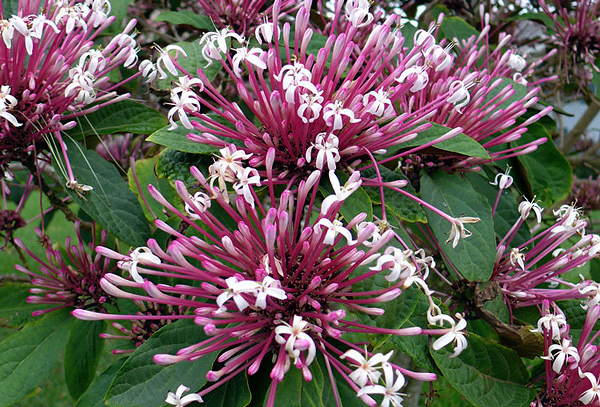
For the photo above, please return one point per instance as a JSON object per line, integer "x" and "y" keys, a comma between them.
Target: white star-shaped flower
{"x": 178, "y": 401}
{"x": 298, "y": 340}
{"x": 391, "y": 390}
{"x": 367, "y": 368}
{"x": 455, "y": 334}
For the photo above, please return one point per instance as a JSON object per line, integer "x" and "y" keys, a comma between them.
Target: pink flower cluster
{"x": 51, "y": 71}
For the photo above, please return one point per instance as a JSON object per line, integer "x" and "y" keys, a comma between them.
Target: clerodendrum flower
{"x": 523, "y": 271}
{"x": 315, "y": 117}
{"x": 51, "y": 72}
{"x": 275, "y": 288}
{"x": 70, "y": 278}
{"x": 571, "y": 371}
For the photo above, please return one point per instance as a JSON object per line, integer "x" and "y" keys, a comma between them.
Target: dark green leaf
{"x": 460, "y": 144}
{"x": 234, "y": 393}
{"x": 473, "y": 256}
{"x": 144, "y": 170}
{"x": 175, "y": 165}
{"x": 110, "y": 203}
{"x": 14, "y": 310}
{"x": 444, "y": 395}
{"x": 408, "y": 31}
{"x": 547, "y": 170}
{"x": 9, "y": 8}
{"x": 317, "y": 41}
{"x": 30, "y": 355}
{"x": 538, "y": 17}
{"x": 487, "y": 374}
{"x": 119, "y": 10}
{"x": 398, "y": 227}
{"x": 82, "y": 355}
{"x": 186, "y": 17}
{"x": 405, "y": 208}
{"x": 456, "y": 27}
{"x": 94, "y": 396}
{"x": 506, "y": 212}
{"x": 143, "y": 383}
{"x": 177, "y": 139}
{"x": 194, "y": 62}
{"x": 126, "y": 116}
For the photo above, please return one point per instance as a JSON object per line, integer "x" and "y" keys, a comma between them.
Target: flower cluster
{"x": 244, "y": 17}
{"x": 530, "y": 273}
{"x": 275, "y": 279}
{"x": 571, "y": 371}
{"x": 315, "y": 118}
{"x": 69, "y": 278}
{"x": 486, "y": 90}
{"x": 51, "y": 71}
{"x": 576, "y": 35}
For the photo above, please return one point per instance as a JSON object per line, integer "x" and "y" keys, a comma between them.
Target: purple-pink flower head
{"x": 245, "y": 17}
{"x": 50, "y": 71}
{"x": 273, "y": 282}
{"x": 320, "y": 105}
{"x": 531, "y": 273}
{"x": 572, "y": 366}
{"x": 69, "y": 277}
{"x": 577, "y": 35}
{"x": 485, "y": 92}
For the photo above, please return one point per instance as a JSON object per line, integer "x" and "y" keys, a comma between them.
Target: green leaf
{"x": 14, "y": 310}
{"x": 119, "y": 10}
{"x": 175, "y": 165}
{"x": 294, "y": 391}
{"x": 547, "y": 170}
{"x": 94, "y": 396}
{"x": 144, "y": 171}
{"x": 460, "y": 144}
{"x": 487, "y": 374}
{"x": 10, "y": 7}
{"x": 444, "y": 395}
{"x": 317, "y": 41}
{"x": 538, "y": 17}
{"x": 177, "y": 139}
{"x": 473, "y": 256}
{"x": 143, "y": 383}
{"x": 110, "y": 203}
{"x": 402, "y": 206}
{"x": 456, "y": 27}
{"x": 192, "y": 64}
{"x": 30, "y": 355}
{"x": 408, "y": 31}
{"x": 507, "y": 212}
{"x": 186, "y": 17}
{"x": 234, "y": 393}
{"x": 126, "y": 116}
{"x": 82, "y": 355}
